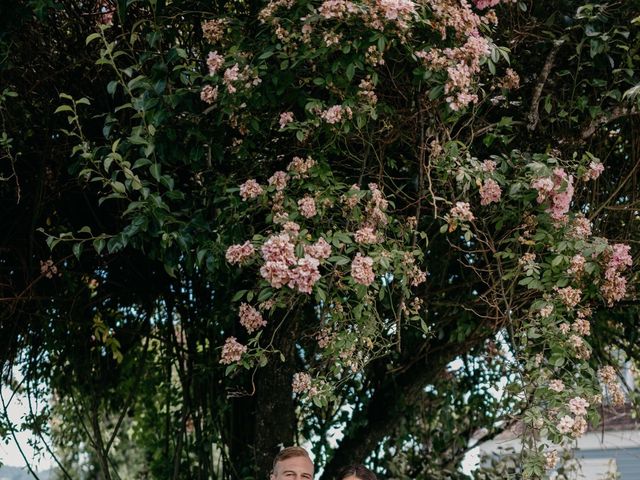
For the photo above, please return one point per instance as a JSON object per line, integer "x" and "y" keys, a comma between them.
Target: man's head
{"x": 292, "y": 463}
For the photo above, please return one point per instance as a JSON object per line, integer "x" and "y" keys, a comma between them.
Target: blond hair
{"x": 289, "y": 452}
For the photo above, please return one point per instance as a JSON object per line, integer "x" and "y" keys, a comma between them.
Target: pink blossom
{"x": 231, "y": 75}
{"x": 579, "y": 427}
{"x": 285, "y": 118}
{"x": 307, "y": 207}
{"x": 366, "y": 235}
{"x": 569, "y": 296}
{"x": 304, "y": 276}
{"x": 49, "y": 269}
{"x": 595, "y": 170}
{"x": 578, "y": 406}
{"x": 462, "y": 212}
{"x": 299, "y": 167}
{"x": 417, "y": 276}
{"x": 482, "y": 4}
{"x": 488, "y": 166}
{"x": 213, "y": 30}
{"x": 620, "y": 257}
{"x": 239, "y": 253}
{"x": 607, "y": 375}
{"x": 276, "y": 273}
{"x": 551, "y": 459}
{"x": 250, "y": 189}
{"x": 399, "y": 11}
{"x": 577, "y": 265}
{"x": 214, "y": 62}
{"x": 279, "y": 179}
{"x": 335, "y": 114}
{"x": 544, "y": 186}
{"x": 556, "y": 385}
{"x": 320, "y": 250}
{"x": 511, "y": 80}
{"x": 582, "y": 327}
{"x": 580, "y": 228}
{"x": 490, "y": 192}
{"x": 301, "y": 382}
{"x": 362, "y": 270}
{"x": 209, "y": 94}
{"x": 546, "y": 310}
{"x": 250, "y": 318}
{"x": 337, "y": 8}
{"x": 564, "y": 328}
{"x": 565, "y": 424}
{"x": 291, "y": 228}
{"x": 232, "y": 351}
{"x": 614, "y": 289}
{"x": 278, "y": 248}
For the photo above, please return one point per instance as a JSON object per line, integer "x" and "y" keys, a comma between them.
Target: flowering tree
{"x": 326, "y": 215}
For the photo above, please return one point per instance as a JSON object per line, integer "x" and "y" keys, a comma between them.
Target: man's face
{"x": 294, "y": 468}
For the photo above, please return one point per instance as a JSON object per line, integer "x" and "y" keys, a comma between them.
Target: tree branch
{"x": 619, "y": 111}
{"x": 534, "y": 116}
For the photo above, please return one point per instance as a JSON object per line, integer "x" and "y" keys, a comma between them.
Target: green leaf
{"x": 91, "y": 38}
{"x": 63, "y": 108}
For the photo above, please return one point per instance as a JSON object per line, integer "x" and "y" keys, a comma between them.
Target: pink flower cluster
{"x": 209, "y": 94}
{"x": 336, "y": 113}
{"x": 614, "y": 287}
{"x": 488, "y": 166}
{"x": 511, "y": 80}
{"x": 576, "y": 267}
{"x": 283, "y": 268}
{"x": 366, "y": 235}
{"x": 595, "y": 170}
{"x": 214, "y": 62}
{"x": 299, "y": 168}
{"x": 232, "y": 351}
{"x": 462, "y": 212}
{"x": 337, "y": 9}
{"x": 285, "y": 119}
{"x": 490, "y": 192}
{"x": 609, "y": 378}
{"x": 399, "y": 11}
{"x": 250, "y": 318}
{"x": 569, "y": 296}
{"x": 320, "y": 250}
{"x": 580, "y": 227}
{"x": 556, "y": 386}
{"x": 239, "y": 253}
{"x": 279, "y": 180}
{"x": 307, "y": 207}
{"x": 558, "y": 190}
{"x": 302, "y": 383}
{"x": 250, "y": 189}
{"x": 482, "y": 4}
{"x": 213, "y": 30}
{"x": 362, "y": 270}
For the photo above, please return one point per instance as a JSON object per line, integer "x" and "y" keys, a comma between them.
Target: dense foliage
{"x": 377, "y": 227}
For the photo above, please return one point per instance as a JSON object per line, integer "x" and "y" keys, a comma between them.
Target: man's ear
{"x": 272, "y": 476}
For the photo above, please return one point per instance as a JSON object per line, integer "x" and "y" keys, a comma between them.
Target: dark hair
{"x": 290, "y": 452}
{"x": 360, "y": 471}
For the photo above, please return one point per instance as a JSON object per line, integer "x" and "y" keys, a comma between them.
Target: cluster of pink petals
{"x": 614, "y": 287}
{"x": 556, "y": 385}
{"x": 305, "y": 275}
{"x": 213, "y": 30}
{"x": 49, "y": 269}
{"x": 291, "y": 228}
{"x": 376, "y": 206}
{"x": 577, "y": 264}
{"x": 209, "y": 94}
{"x": 558, "y": 189}
{"x": 482, "y": 4}
{"x": 337, "y": 9}
{"x": 580, "y": 227}
{"x": 569, "y": 296}
{"x": 595, "y": 170}
{"x": 250, "y": 318}
{"x": 366, "y": 235}
{"x": 239, "y": 253}
{"x": 490, "y": 192}
{"x": 232, "y": 351}
{"x": 279, "y": 180}
{"x": 488, "y": 166}
{"x": 276, "y": 273}
{"x": 285, "y": 119}
{"x": 578, "y": 406}
{"x": 336, "y": 113}
{"x": 320, "y": 250}
{"x": 230, "y": 76}
{"x": 398, "y": 11}
{"x": 279, "y": 248}
{"x": 299, "y": 167}
{"x": 511, "y": 80}
{"x": 302, "y": 383}
{"x": 462, "y": 212}
{"x": 307, "y": 207}
{"x": 362, "y": 270}
{"x": 250, "y": 189}
{"x": 214, "y": 62}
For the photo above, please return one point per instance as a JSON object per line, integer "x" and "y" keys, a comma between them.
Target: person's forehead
{"x": 299, "y": 463}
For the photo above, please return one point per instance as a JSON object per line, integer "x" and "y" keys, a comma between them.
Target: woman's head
{"x": 356, "y": 472}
